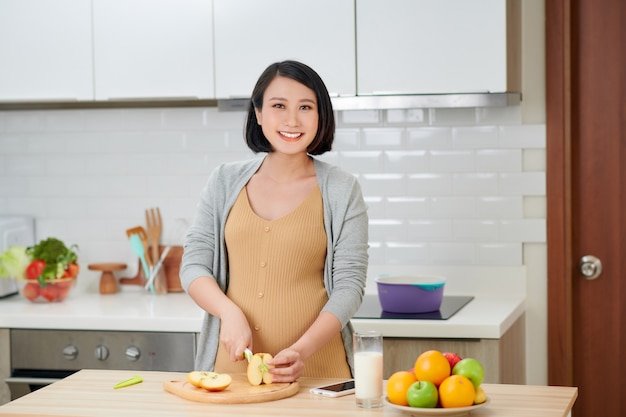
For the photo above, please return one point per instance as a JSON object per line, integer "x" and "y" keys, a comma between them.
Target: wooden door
{"x": 586, "y": 189}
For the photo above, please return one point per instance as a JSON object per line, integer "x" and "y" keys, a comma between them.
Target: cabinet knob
{"x": 70, "y": 352}
{"x": 132, "y": 353}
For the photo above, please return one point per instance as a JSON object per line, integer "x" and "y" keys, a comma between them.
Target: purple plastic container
{"x": 410, "y": 294}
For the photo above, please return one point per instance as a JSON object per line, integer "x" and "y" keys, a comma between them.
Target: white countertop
{"x": 488, "y": 316}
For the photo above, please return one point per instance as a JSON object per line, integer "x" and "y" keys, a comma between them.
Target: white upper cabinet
{"x": 153, "y": 49}
{"x": 45, "y": 50}
{"x": 252, "y": 34}
{"x": 435, "y": 46}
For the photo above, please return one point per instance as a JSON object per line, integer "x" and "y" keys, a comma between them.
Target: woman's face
{"x": 289, "y": 117}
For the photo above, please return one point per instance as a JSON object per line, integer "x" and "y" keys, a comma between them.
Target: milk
{"x": 368, "y": 375}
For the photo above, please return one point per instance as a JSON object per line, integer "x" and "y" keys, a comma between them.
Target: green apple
{"x": 422, "y": 394}
{"x": 470, "y": 368}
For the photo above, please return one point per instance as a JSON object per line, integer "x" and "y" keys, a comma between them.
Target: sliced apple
{"x": 258, "y": 370}
{"x": 195, "y": 377}
{"x": 216, "y": 382}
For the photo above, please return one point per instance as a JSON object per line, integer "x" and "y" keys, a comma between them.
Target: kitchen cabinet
{"x": 503, "y": 358}
{"x": 153, "y": 49}
{"x": 251, "y": 34}
{"x": 437, "y": 46}
{"x": 46, "y": 52}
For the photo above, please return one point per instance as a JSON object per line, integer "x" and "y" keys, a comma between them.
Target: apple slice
{"x": 195, "y": 377}
{"x": 216, "y": 382}
{"x": 258, "y": 371}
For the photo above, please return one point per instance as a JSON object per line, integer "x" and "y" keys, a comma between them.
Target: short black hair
{"x": 305, "y": 75}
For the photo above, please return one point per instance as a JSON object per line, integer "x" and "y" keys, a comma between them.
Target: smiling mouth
{"x": 289, "y": 135}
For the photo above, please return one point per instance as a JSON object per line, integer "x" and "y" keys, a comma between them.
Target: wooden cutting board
{"x": 238, "y": 392}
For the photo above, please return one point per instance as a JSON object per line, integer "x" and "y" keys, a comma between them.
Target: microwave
{"x": 14, "y": 231}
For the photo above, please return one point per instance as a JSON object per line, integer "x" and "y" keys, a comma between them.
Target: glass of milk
{"x": 368, "y": 369}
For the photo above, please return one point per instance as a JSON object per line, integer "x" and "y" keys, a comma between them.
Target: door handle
{"x": 590, "y": 267}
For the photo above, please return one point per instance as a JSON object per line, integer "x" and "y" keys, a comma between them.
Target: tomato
{"x": 35, "y": 269}
{"x": 50, "y": 292}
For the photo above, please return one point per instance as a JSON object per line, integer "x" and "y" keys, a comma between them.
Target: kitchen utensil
{"x": 154, "y": 222}
{"x": 143, "y": 236}
{"x": 239, "y": 391}
{"x": 108, "y": 285}
{"x": 248, "y": 354}
{"x": 138, "y": 249}
{"x": 157, "y": 269}
{"x": 410, "y": 294}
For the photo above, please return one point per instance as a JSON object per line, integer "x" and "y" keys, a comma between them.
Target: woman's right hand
{"x": 235, "y": 333}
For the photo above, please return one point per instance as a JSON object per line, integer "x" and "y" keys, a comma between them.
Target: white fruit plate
{"x": 436, "y": 412}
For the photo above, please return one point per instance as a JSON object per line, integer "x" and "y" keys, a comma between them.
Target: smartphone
{"x": 335, "y": 390}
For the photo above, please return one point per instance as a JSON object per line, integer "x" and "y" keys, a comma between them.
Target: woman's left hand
{"x": 288, "y": 366}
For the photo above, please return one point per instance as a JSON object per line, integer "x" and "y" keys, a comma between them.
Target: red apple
{"x": 452, "y": 358}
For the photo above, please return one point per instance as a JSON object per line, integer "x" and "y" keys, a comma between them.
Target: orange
{"x": 432, "y": 366}
{"x": 456, "y": 391}
{"x": 397, "y": 386}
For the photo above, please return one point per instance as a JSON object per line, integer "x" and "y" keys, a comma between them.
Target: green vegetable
{"x": 13, "y": 262}
{"x": 56, "y": 256}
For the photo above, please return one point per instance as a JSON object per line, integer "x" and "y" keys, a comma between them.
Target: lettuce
{"x": 13, "y": 262}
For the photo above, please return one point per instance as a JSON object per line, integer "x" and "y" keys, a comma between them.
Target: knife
{"x": 248, "y": 354}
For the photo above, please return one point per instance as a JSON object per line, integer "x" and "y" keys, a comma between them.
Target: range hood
{"x": 389, "y": 102}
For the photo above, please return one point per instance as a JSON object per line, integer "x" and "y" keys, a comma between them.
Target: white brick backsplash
{"x": 453, "y": 207}
{"x": 360, "y": 116}
{"x": 499, "y": 115}
{"x": 523, "y": 230}
{"x": 399, "y": 253}
{"x": 442, "y": 186}
{"x": 475, "y": 184}
{"x": 523, "y": 136}
{"x": 453, "y": 253}
{"x": 499, "y": 207}
{"x": 383, "y": 184}
{"x": 499, "y": 254}
{"x": 523, "y": 183}
{"x": 406, "y": 207}
{"x": 405, "y": 161}
{"x": 430, "y": 230}
{"x": 429, "y": 138}
{"x": 384, "y": 138}
{"x": 430, "y": 184}
{"x": 499, "y": 160}
{"x": 452, "y": 161}
{"x": 475, "y": 230}
{"x": 387, "y": 229}
{"x": 346, "y": 139}
{"x": 362, "y": 161}
{"x": 475, "y": 137}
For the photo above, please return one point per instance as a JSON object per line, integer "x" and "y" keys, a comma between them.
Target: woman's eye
{"x": 278, "y": 106}
{"x": 305, "y": 107}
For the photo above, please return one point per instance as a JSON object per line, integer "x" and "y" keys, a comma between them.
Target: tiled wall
{"x": 444, "y": 186}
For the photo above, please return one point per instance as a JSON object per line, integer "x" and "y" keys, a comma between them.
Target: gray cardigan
{"x": 346, "y": 224}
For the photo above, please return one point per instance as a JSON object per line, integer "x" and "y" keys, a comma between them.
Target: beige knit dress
{"x": 276, "y": 278}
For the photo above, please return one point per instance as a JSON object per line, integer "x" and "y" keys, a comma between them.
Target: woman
{"x": 277, "y": 253}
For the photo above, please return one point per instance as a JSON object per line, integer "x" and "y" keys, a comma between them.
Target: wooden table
{"x": 90, "y": 393}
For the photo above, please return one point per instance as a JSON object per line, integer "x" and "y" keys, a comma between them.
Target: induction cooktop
{"x": 450, "y": 305}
